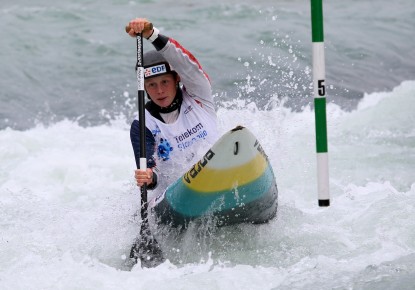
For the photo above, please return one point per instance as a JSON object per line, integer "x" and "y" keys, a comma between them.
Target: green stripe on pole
{"x": 317, "y": 20}
{"x": 321, "y": 124}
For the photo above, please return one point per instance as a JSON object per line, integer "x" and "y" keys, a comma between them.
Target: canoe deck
{"x": 233, "y": 183}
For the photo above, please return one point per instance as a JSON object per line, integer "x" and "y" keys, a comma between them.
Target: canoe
{"x": 233, "y": 183}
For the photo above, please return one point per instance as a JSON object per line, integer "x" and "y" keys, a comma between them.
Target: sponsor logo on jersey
{"x": 188, "y": 109}
{"x": 189, "y": 133}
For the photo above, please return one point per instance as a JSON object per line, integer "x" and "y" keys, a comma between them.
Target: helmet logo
{"x": 155, "y": 70}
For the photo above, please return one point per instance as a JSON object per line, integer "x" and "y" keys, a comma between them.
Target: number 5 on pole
{"x": 320, "y": 102}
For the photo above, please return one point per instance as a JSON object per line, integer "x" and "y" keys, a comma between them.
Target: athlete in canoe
{"x": 180, "y": 115}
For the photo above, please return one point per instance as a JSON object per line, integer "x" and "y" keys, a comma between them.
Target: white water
{"x": 67, "y": 205}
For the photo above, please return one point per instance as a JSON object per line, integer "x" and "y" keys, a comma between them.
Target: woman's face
{"x": 161, "y": 89}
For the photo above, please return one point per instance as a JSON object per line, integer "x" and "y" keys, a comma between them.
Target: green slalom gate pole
{"x": 320, "y": 102}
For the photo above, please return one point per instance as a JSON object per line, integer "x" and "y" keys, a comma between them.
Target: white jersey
{"x": 195, "y": 129}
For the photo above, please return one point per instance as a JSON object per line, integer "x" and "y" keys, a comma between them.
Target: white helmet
{"x": 155, "y": 64}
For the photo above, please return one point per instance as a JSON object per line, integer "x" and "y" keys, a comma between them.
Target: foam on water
{"x": 68, "y": 204}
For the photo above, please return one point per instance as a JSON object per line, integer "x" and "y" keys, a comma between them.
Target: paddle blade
{"x": 147, "y": 249}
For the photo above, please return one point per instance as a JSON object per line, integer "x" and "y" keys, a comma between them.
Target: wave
{"x": 68, "y": 204}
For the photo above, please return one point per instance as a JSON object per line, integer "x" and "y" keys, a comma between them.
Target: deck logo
{"x": 260, "y": 149}
{"x": 157, "y": 199}
{"x": 194, "y": 171}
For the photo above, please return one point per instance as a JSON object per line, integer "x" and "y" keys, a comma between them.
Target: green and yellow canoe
{"x": 233, "y": 183}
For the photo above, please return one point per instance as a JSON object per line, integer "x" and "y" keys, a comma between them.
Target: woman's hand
{"x": 144, "y": 176}
{"x": 140, "y": 25}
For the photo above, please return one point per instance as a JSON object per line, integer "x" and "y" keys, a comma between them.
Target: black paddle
{"x": 145, "y": 246}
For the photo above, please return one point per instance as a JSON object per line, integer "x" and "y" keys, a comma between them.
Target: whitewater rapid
{"x": 68, "y": 203}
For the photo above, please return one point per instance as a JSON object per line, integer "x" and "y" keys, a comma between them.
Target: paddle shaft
{"x": 145, "y": 227}
{"x": 142, "y": 117}
{"x": 146, "y": 247}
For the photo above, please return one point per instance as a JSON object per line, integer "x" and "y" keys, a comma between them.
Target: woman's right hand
{"x": 140, "y": 25}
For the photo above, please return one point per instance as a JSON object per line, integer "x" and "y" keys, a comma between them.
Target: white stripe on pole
{"x": 319, "y": 69}
{"x": 323, "y": 176}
